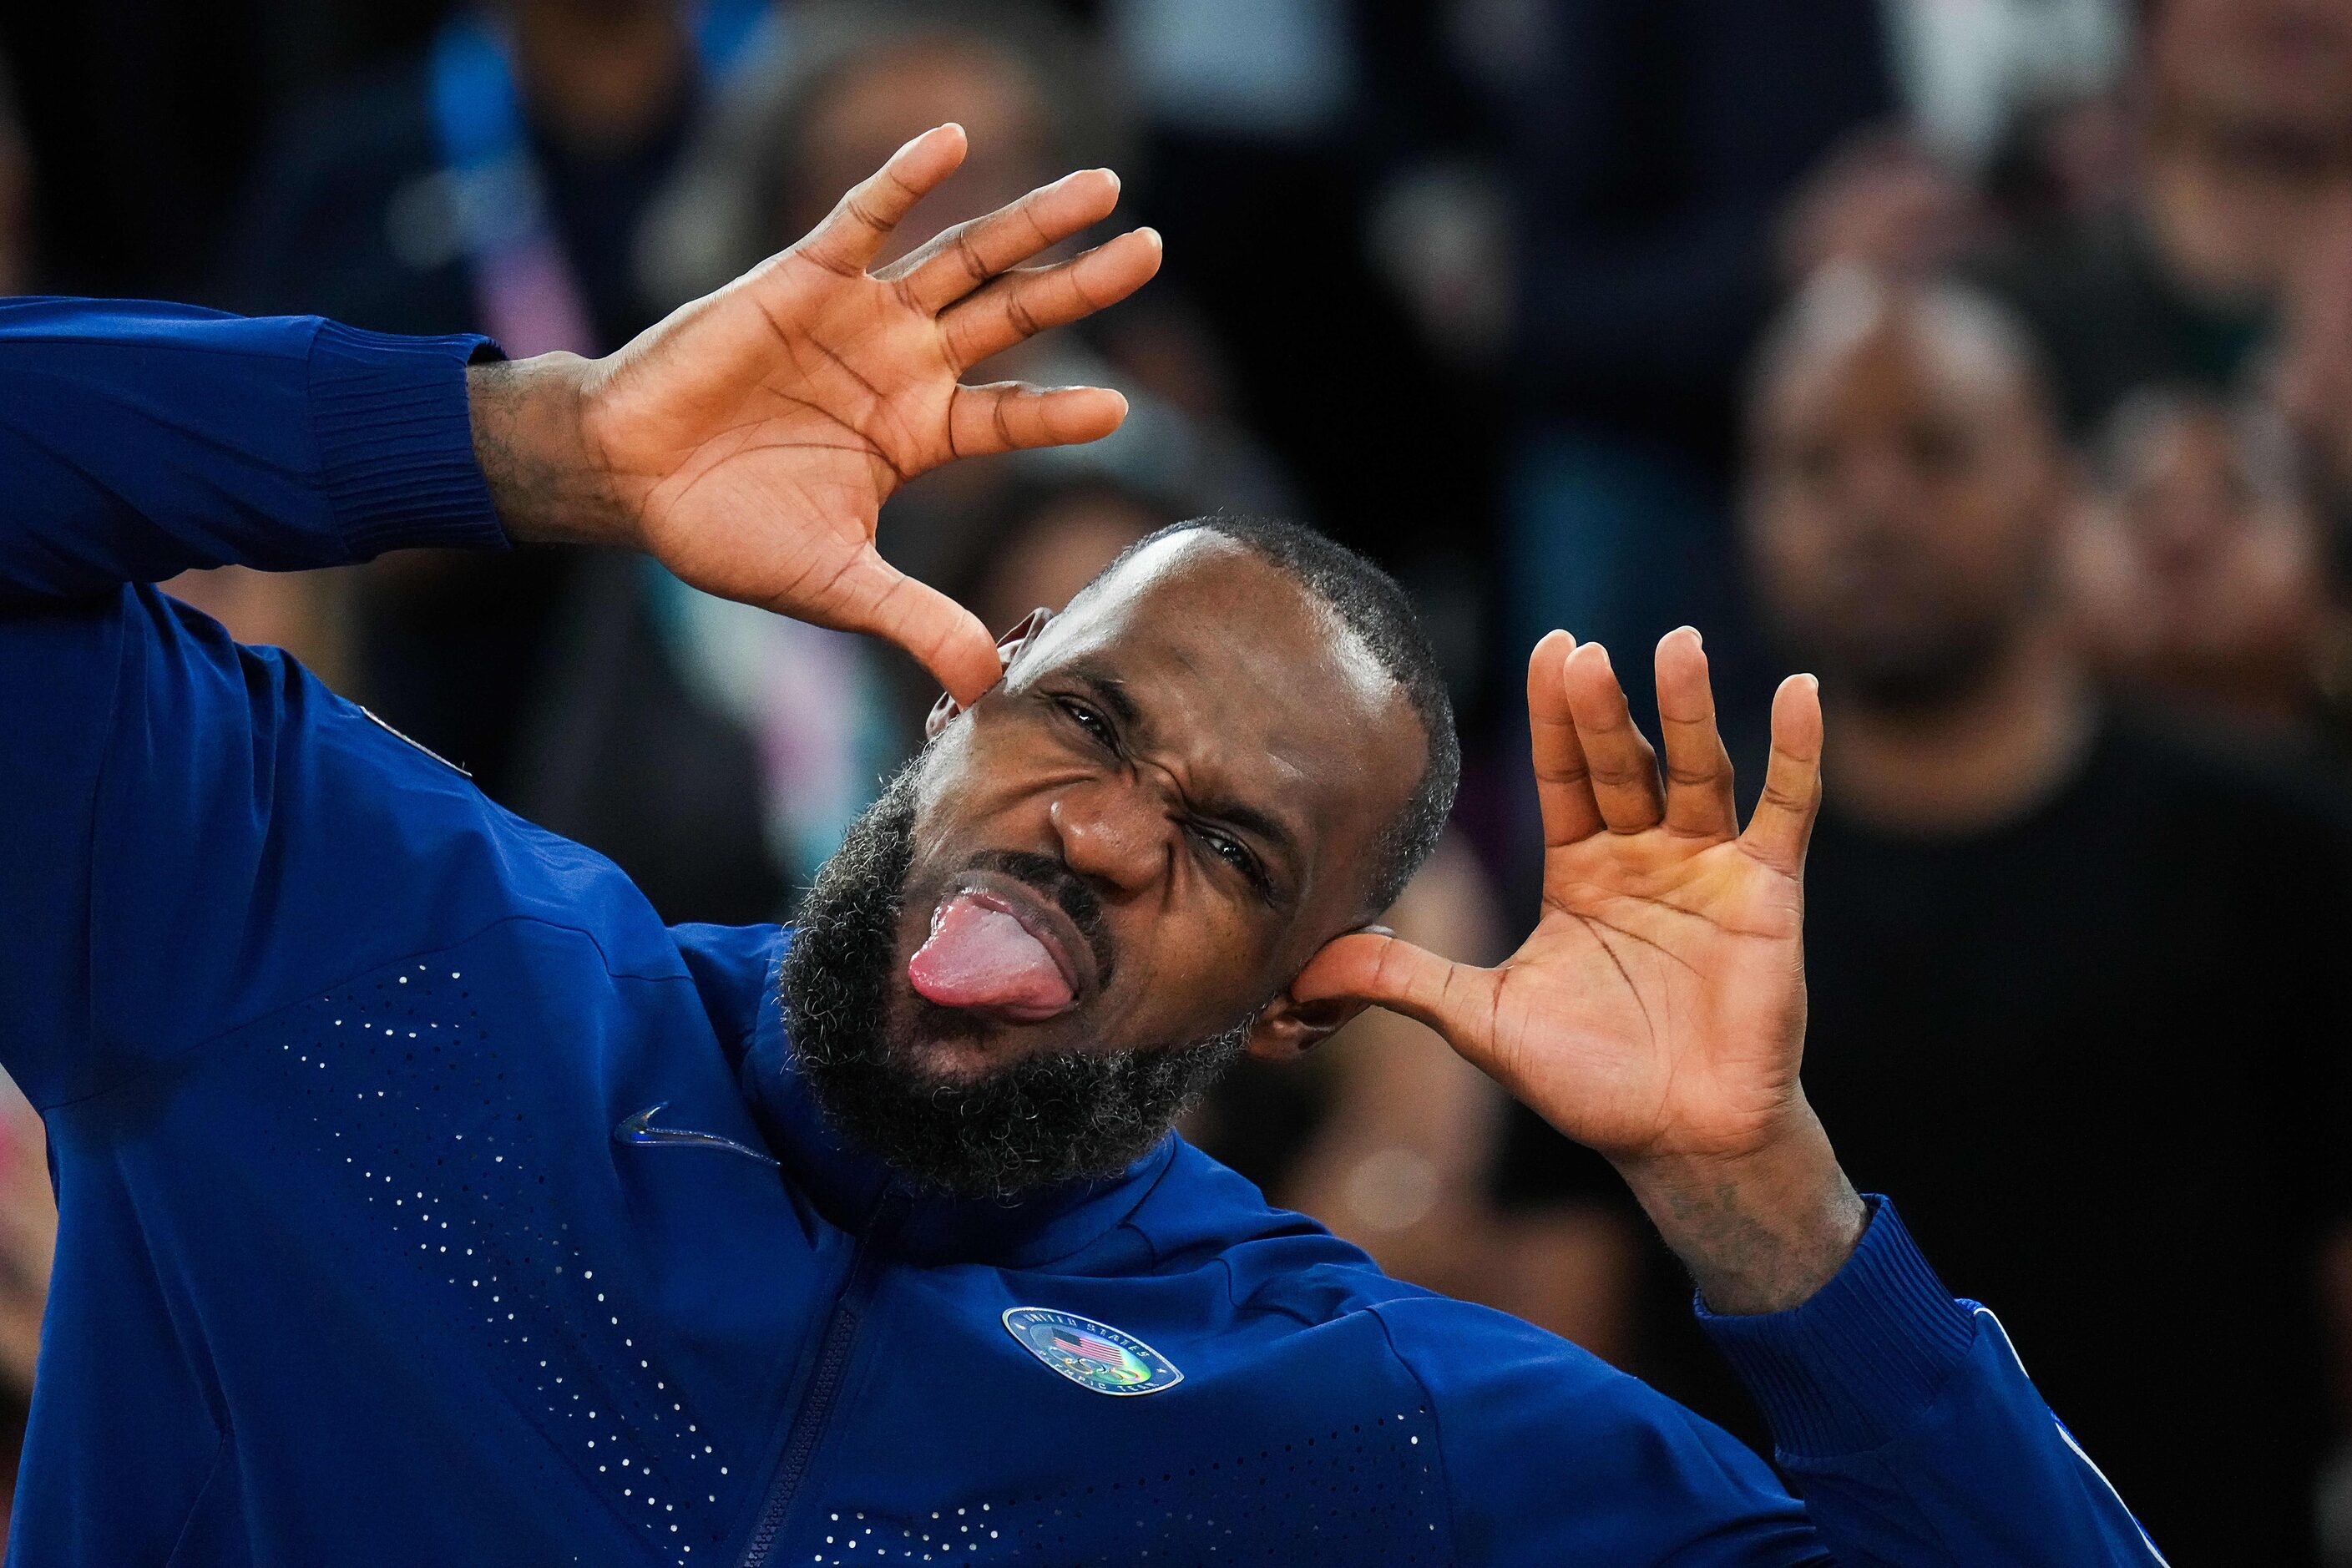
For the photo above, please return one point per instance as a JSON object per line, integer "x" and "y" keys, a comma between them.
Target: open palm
{"x": 754, "y": 434}
{"x": 1658, "y": 1008}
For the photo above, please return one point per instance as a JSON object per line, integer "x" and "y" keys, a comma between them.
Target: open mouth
{"x": 996, "y": 946}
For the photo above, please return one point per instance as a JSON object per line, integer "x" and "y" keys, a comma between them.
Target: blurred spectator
{"x": 496, "y": 183}
{"x": 859, "y": 78}
{"x": 1653, "y": 146}
{"x": 1679, "y": 165}
{"x": 806, "y": 121}
{"x": 1882, "y": 201}
{"x": 2199, "y": 579}
{"x": 2242, "y": 113}
{"x": 2103, "y": 966}
{"x": 2310, "y": 377}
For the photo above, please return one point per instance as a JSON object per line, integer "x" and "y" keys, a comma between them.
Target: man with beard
{"x": 425, "y": 1200}
{"x": 2075, "y": 993}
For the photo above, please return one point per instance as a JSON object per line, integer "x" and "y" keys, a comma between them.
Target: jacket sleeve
{"x": 1907, "y": 1434}
{"x": 1905, "y": 1422}
{"x": 147, "y": 761}
{"x": 1551, "y": 1456}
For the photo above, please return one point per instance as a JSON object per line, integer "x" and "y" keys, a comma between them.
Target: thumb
{"x": 1389, "y": 972}
{"x": 946, "y": 638}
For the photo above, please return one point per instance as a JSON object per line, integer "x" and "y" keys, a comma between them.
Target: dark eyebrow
{"x": 1112, "y": 693}
{"x": 1250, "y": 819}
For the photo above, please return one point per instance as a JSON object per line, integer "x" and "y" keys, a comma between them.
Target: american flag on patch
{"x": 1078, "y": 1342}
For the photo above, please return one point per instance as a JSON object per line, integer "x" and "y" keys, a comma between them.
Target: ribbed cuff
{"x": 1853, "y": 1366}
{"x": 397, "y": 440}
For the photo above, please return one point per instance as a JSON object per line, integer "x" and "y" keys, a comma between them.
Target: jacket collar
{"x": 853, "y": 1189}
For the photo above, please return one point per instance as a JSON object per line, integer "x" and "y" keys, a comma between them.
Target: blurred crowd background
{"x": 1992, "y": 359}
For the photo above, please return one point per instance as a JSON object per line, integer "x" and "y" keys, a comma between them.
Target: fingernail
{"x": 1152, "y": 235}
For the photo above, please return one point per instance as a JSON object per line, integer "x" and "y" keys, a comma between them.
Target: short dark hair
{"x": 1372, "y": 607}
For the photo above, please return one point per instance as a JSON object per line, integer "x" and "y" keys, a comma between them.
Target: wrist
{"x": 1762, "y": 1228}
{"x": 531, "y": 443}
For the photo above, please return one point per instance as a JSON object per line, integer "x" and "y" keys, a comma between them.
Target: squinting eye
{"x": 1090, "y": 720}
{"x": 1233, "y": 853}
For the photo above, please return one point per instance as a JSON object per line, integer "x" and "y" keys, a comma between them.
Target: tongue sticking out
{"x": 979, "y": 956}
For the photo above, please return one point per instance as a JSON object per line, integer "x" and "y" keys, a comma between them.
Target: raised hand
{"x": 749, "y": 440}
{"x": 1657, "y": 1012}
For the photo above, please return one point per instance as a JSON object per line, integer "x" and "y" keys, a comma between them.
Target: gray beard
{"x": 1036, "y": 1123}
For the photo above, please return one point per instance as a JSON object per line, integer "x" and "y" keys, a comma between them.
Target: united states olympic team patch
{"x": 1090, "y": 1354}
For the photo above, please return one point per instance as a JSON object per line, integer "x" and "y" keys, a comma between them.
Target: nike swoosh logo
{"x": 638, "y": 1128}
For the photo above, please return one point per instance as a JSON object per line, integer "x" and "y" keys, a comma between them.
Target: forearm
{"x": 1759, "y": 1231}
{"x": 543, "y": 479}
{"x": 140, "y": 440}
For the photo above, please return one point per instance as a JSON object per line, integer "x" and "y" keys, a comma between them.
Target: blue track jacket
{"x": 425, "y": 1200}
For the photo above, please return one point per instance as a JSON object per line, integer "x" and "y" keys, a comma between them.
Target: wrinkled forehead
{"x": 1234, "y": 659}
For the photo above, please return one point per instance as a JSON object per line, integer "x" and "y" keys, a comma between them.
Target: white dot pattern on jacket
{"x": 1361, "y": 1493}
{"x": 415, "y": 1107}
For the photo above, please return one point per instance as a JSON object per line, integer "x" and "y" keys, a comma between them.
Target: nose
{"x": 1113, "y": 831}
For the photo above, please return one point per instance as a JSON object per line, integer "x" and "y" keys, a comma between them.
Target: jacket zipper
{"x": 825, "y": 1385}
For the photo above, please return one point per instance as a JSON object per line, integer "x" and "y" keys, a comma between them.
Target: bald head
{"x": 1905, "y": 484}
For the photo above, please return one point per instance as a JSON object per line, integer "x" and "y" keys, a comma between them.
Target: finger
{"x": 946, "y": 638}
{"x": 970, "y": 254}
{"x": 1563, "y": 787}
{"x": 1623, "y": 767}
{"x": 854, "y": 233}
{"x": 1783, "y": 822}
{"x": 1022, "y": 304}
{"x": 1387, "y": 971}
{"x": 1011, "y": 416}
{"x": 1698, "y": 770}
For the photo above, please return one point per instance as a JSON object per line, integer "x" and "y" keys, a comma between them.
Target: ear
{"x": 1008, "y": 648}
{"x": 1288, "y": 1028}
